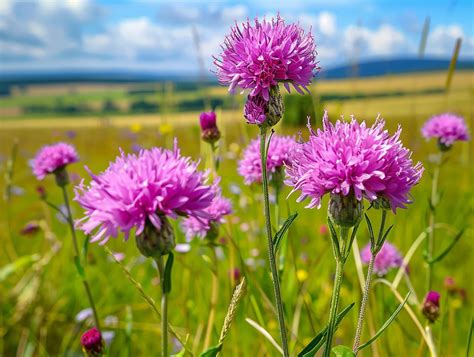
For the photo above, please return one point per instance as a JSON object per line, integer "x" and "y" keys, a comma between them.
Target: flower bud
{"x": 430, "y": 307}
{"x": 381, "y": 203}
{"x": 209, "y": 131}
{"x": 61, "y": 176}
{"x": 345, "y": 211}
{"x": 30, "y": 228}
{"x": 265, "y": 113}
{"x": 450, "y": 284}
{"x": 276, "y": 107}
{"x": 92, "y": 343}
{"x": 154, "y": 242}
{"x": 442, "y": 146}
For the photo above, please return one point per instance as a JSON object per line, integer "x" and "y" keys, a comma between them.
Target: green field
{"x": 41, "y": 295}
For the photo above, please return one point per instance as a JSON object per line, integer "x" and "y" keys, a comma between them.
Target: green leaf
{"x": 212, "y": 351}
{"x": 281, "y": 233}
{"x": 371, "y": 231}
{"x": 343, "y": 351}
{"x": 386, "y": 324}
{"x": 167, "y": 275}
{"x": 335, "y": 241}
{"x": 79, "y": 268}
{"x": 85, "y": 247}
{"x": 448, "y": 248}
{"x": 313, "y": 347}
{"x": 21, "y": 262}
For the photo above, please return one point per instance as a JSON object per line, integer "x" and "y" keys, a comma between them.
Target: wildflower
{"x": 92, "y": 342}
{"x": 430, "y": 307}
{"x": 259, "y": 111}
{"x": 183, "y": 248}
{"x": 30, "y": 228}
{"x": 140, "y": 191}
{"x": 352, "y": 160}
{"x": 258, "y": 56}
{"x": 84, "y": 315}
{"x": 450, "y": 284}
{"x": 323, "y": 230}
{"x": 387, "y": 258}
{"x": 208, "y": 227}
{"x": 41, "y": 191}
{"x": 209, "y": 131}
{"x": 53, "y": 159}
{"x": 250, "y": 167}
{"x": 447, "y": 128}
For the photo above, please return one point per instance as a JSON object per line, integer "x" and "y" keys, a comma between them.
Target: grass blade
{"x": 281, "y": 233}
{"x": 264, "y": 333}
{"x": 448, "y": 248}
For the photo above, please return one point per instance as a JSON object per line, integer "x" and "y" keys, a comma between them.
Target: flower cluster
{"x": 201, "y": 227}
{"x": 257, "y": 56}
{"x": 52, "y": 158}
{"x": 250, "y": 167}
{"x": 349, "y": 157}
{"x": 387, "y": 258}
{"x": 447, "y": 128}
{"x": 136, "y": 189}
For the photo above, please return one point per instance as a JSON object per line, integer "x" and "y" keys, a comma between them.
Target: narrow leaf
{"x": 21, "y": 262}
{"x": 448, "y": 248}
{"x": 79, "y": 268}
{"x": 386, "y": 324}
{"x": 212, "y": 351}
{"x": 312, "y": 348}
{"x": 371, "y": 230}
{"x": 167, "y": 275}
{"x": 343, "y": 351}
{"x": 281, "y": 233}
{"x": 264, "y": 333}
{"x": 383, "y": 239}
{"x": 335, "y": 241}
{"x": 85, "y": 247}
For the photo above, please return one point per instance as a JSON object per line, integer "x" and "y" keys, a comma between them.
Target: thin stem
{"x": 214, "y": 299}
{"x": 164, "y": 308}
{"x": 431, "y": 235}
{"x": 365, "y": 298}
{"x": 340, "y": 261}
{"x": 77, "y": 257}
{"x": 271, "y": 252}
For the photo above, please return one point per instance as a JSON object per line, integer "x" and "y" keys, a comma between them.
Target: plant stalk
{"x": 164, "y": 307}
{"x": 214, "y": 299}
{"x": 431, "y": 235}
{"x": 77, "y": 258}
{"x": 271, "y": 252}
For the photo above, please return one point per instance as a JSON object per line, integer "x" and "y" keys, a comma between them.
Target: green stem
{"x": 164, "y": 308}
{"x": 271, "y": 252}
{"x": 365, "y": 298}
{"x": 214, "y": 300}
{"x": 431, "y": 236}
{"x": 77, "y": 258}
{"x": 340, "y": 261}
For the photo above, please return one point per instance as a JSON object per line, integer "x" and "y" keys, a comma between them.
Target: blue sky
{"x": 152, "y": 35}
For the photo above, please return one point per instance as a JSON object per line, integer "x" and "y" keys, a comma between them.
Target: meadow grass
{"x": 41, "y": 297}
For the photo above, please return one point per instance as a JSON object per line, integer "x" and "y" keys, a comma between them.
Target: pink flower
{"x": 447, "y": 127}
{"x": 388, "y": 258}
{"x": 430, "y": 308}
{"x": 139, "y": 188}
{"x": 207, "y": 120}
{"x": 351, "y": 157}
{"x": 250, "y": 167}
{"x": 255, "y": 109}
{"x": 200, "y": 227}
{"x": 53, "y": 157}
{"x": 92, "y": 342}
{"x": 258, "y": 56}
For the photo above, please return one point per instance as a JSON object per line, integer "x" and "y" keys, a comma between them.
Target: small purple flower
{"x": 52, "y": 158}
{"x": 30, "y": 228}
{"x": 260, "y": 55}
{"x": 202, "y": 227}
{"x": 447, "y": 128}
{"x": 250, "y": 167}
{"x": 388, "y": 258}
{"x": 254, "y": 110}
{"x": 209, "y": 131}
{"x": 351, "y": 158}
{"x": 92, "y": 342}
{"x": 142, "y": 188}
{"x": 430, "y": 308}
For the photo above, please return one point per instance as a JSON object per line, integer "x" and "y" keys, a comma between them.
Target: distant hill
{"x": 391, "y": 66}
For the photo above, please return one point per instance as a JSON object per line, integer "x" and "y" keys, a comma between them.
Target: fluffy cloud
{"x": 442, "y": 39}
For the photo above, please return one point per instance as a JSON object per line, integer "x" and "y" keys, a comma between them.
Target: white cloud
{"x": 442, "y": 39}
{"x": 327, "y": 23}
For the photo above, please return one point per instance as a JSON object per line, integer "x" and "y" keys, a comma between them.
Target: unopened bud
{"x": 381, "y": 203}
{"x": 92, "y": 343}
{"x": 154, "y": 242}
{"x": 209, "y": 131}
{"x": 430, "y": 307}
{"x": 442, "y": 146}
{"x": 264, "y": 113}
{"x": 61, "y": 176}
{"x": 276, "y": 107}
{"x": 345, "y": 211}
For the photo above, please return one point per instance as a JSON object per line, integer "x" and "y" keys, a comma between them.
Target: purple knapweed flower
{"x": 209, "y": 131}
{"x": 351, "y": 158}
{"x": 430, "y": 308}
{"x": 387, "y": 258}
{"x": 447, "y": 128}
{"x": 250, "y": 167}
{"x": 260, "y": 55}
{"x": 202, "y": 227}
{"x": 254, "y": 110}
{"x": 142, "y": 188}
{"x": 92, "y": 342}
{"x": 51, "y": 158}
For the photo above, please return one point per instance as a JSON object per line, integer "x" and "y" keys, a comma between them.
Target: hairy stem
{"x": 77, "y": 257}
{"x": 164, "y": 307}
{"x": 271, "y": 252}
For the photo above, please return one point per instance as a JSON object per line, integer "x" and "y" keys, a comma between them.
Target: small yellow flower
{"x": 136, "y": 127}
{"x": 234, "y": 147}
{"x": 272, "y": 325}
{"x": 165, "y": 128}
{"x": 302, "y": 275}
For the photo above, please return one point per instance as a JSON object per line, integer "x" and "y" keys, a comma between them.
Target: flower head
{"x": 430, "y": 307}
{"x": 202, "y": 227}
{"x": 256, "y": 56}
{"x": 209, "y": 131}
{"x": 387, "y": 258}
{"x": 51, "y": 158}
{"x": 351, "y": 158}
{"x": 250, "y": 167}
{"x": 92, "y": 342}
{"x": 447, "y": 128}
{"x": 142, "y": 188}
